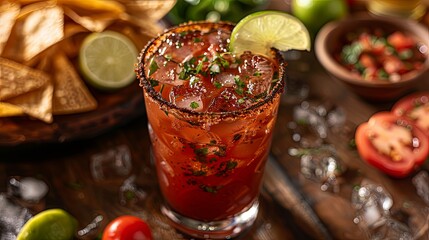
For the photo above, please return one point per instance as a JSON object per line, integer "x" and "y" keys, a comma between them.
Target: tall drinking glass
{"x": 211, "y": 118}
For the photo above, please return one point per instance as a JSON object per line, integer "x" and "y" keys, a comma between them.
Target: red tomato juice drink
{"x": 211, "y": 117}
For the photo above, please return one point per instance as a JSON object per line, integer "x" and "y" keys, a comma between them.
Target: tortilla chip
{"x": 8, "y": 15}
{"x": 70, "y": 95}
{"x": 37, "y": 103}
{"x": 9, "y": 110}
{"x": 92, "y": 24}
{"x": 17, "y": 79}
{"x": 151, "y": 10}
{"x": 34, "y": 32}
{"x": 111, "y": 8}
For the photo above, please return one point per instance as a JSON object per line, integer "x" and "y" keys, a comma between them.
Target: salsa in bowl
{"x": 378, "y": 58}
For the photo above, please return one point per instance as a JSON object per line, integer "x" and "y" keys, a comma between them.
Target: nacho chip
{"x": 70, "y": 95}
{"x": 95, "y": 6}
{"x": 8, "y": 15}
{"x": 97, "y": 24}
{"x": 149, "y": 10}
{"x": 37, "y": 103}
{"x": 9, "y": 110}
{"x": 17, "y": 79}
{"x": 34, "y": 32}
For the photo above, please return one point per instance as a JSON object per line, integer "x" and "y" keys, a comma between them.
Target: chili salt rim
{"x": 203, "y": 117}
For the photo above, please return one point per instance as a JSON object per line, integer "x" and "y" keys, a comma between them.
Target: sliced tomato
{"x": 416, "y": 108}
{"x": 127, "y": 227}
{"x": 392, "y": 144}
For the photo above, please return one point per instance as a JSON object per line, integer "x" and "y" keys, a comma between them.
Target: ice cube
{"x": 225, "y": 102}
{"x": 320, "y": 164}
{"x": 336, "y": 117}
{"x": 304, "y": 113}
{"x": 226, "y": 79}
{"x": 194, "y": 103}
{"x": 373, "y": 203}
{"x": 320, "y": 117}
{"x": 164, "y": 71}
{"x": 112, "y": 164}
{"x": 421, "y": 182}
{"x": 369, "y": 191}
{"x": 189, "y": 95}
{"x": 28, "y": 188}
{"x": 390, "y": 229}
{"x": 12, "y": 218}
{"x": 90, "y": 230}
{"x": 259, "y": 72}
{"x": 130, "y": 192}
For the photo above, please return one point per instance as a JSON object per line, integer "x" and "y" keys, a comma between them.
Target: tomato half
{"x": 127, "y": 228}
{"x": 392, "y": 144}
{"x": 416, "y": 108}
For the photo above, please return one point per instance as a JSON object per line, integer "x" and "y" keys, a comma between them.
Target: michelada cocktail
{"x": 211, "y": 117}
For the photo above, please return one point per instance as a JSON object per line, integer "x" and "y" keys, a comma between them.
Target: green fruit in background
{"x": 316, "y": 13}
{"x": 214, "y": 10}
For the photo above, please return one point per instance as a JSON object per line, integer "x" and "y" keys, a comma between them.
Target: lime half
{"x": 52, "y": 224}
{"x": 106, "y": 60}
{"x": 261, "y": 31}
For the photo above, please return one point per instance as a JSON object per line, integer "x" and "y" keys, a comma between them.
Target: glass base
{"x": 224, "y": 229}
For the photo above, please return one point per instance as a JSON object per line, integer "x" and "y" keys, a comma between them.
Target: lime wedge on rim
{"x": 51, "y": 224}
{"x": 261, "y": 31}
{"x": 106, "y": 60}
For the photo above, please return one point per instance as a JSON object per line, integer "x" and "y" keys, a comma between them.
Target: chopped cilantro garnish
{"x": 199, "y": 173}
{"x": 197, "y": 40}
{"x": 257, "y": 74}
{"x": 199, "y": 67}
{"x": 194, "y": 105}
{"x": 201, "y": 151}
{"x": 240, "y": 85}
{"x": 217, "y": 84}
{"x": 153, "y": 66}
{"x": 209, "y": 189}
{"x": 153, "y": 82}
{"x": 168, "y": 57}
{"x": 231, "y": 165}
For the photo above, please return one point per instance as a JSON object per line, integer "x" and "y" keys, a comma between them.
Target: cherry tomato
{"x": 416, "y": 108}
{"x": 127, "y": 228}
{"x": 392, "y": 144}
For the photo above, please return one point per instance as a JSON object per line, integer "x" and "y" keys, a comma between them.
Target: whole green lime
{"x": 316, "y": 13}
{"x": 52, "y": 224}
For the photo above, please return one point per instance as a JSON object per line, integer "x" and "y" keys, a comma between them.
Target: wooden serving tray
{"x": 114, "y": 108}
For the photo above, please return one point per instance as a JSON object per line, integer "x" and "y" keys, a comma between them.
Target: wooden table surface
{"x": 292, "y": 207}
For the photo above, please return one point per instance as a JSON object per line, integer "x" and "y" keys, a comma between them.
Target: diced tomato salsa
{"x": 378, "y": 55}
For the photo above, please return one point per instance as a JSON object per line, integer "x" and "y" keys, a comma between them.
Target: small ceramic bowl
{"x": 331, "y": 39}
